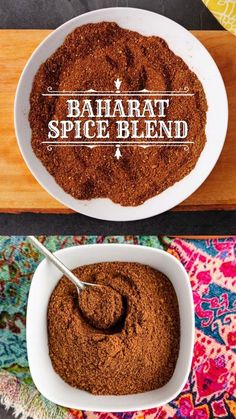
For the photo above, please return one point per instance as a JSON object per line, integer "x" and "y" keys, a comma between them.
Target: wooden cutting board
{"x": 19, "y": 191}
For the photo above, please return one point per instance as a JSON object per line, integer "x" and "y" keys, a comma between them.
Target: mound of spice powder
{"x": 137, "y": 354}
{"x": 93, "y": 56}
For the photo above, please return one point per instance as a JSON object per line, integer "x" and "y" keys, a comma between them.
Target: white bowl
{"x": 44, "y": 281}
{"x": 184, "y": 44}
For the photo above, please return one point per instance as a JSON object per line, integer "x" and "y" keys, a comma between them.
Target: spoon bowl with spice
{"x": 101, "y": 305}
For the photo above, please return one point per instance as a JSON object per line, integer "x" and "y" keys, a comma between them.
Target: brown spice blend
{"x": 92, "y": 57}
{"x": 137, "y": 355}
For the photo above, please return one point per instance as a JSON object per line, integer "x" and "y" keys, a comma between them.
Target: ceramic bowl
{"x": 44, "y": 281}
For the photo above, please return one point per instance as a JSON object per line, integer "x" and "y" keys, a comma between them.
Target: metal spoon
{"x": 80, "y": 285}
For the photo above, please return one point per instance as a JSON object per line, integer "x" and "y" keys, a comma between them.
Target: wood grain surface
{"x": 19, "y": 191}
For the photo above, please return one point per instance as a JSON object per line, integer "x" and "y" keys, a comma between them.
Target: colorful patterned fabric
{"x": 211, "y": 388}
{"x": 224, "y": 11}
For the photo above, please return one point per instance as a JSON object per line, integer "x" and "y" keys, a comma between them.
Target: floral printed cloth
{"x": 210, "y": 391}
{"x": 224, "y": 11}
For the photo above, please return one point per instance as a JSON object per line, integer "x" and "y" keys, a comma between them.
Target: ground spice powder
{"x": 138, "y": 354}
{"x": 92, "y": 57}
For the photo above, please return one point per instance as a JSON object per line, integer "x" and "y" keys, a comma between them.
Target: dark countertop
{"x": 45, "y": 14}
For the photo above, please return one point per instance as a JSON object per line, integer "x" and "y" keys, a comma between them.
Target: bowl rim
{"x": 131, "y": 407}
{"x": 95, "y": 208}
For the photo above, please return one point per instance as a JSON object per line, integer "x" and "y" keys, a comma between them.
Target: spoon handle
{"x": 57, "y": 263}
